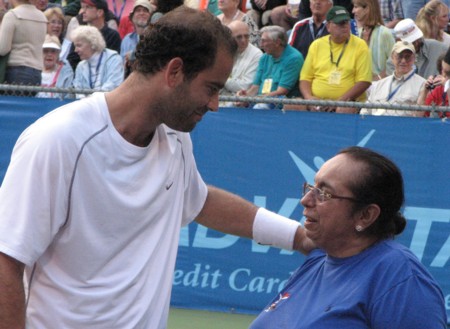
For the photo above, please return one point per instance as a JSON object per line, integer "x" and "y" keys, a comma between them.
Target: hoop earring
{"x": 359, "y": 228}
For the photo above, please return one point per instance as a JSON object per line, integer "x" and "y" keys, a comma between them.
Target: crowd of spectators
{"x": 312, "y": 49}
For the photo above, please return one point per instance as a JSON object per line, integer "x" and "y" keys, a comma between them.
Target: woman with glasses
{"x": 55, "y": 25}
{"x": 360, "y": 277}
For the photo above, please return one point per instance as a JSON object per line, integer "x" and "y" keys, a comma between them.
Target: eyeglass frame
{"x": 322, "y": 196}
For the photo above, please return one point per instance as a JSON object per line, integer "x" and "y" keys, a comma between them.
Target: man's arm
{"x": 352, "y": 94}
{"x": 12, "y": 294}
{"x": 231, "y": 214}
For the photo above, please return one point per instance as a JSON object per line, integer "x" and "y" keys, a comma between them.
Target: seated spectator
{"x": 283, "y": 14}
{"x": 378, "y": 37}
{"x": 163, "y": 7}
{"x": 140, "y": 16}
{"x": 56, "y": 73}
{"x": 261, "y": 10}
{"x": 278, "y": 68}
{"x": 403, "y": 87}
{"x": 391, "y": 12}
{"x": 100, "y": 68}
{"x": 427, "y": 50}
{"x": 231, "y": 12}
{"x": 95, "y": 13}
{"x": 55, "y": 25}
{"x": 432, "y": 20}
{"x": 22, "y": 34}
{"x": 436, "y": 91}
{"x": 338, "y": 66}
{"x": 311, "y": 28}
{"x": 245, "y": 63}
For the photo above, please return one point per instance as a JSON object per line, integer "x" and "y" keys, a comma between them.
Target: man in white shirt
{"x": 245, "y": 63}
{"x": 402, "y": 87}
{"x": 96, "y": 192}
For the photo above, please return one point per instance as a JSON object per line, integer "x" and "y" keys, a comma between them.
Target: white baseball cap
{"x": 51, "y": 45}
{"x": 407, "y": 30}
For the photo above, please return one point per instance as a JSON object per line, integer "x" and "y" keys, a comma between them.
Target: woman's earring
{"x": 359, "y": 228}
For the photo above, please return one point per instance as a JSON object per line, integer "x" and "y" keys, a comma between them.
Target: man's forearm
{"x": 12, "y": 295}
{"x": 357, "y": 90}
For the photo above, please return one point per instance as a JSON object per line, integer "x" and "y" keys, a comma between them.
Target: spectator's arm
{"x": 352, "y": 94}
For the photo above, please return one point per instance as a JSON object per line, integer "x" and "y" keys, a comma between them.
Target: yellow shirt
{"x": 330, "y": 80}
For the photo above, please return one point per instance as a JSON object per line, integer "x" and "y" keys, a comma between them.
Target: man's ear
{"x": 368, "y": 215}
{"x": 174, "y": 74}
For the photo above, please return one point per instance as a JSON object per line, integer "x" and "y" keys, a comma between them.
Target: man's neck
{"x": 399, "y": 75}
{"x": 318, "y": 19}
{"x": 98, "y": 23}
{"x": 278, "y": 52}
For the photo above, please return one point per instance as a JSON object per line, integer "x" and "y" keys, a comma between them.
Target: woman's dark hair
{"x": 189, "y": 34}
{"x": 380, "y": 182}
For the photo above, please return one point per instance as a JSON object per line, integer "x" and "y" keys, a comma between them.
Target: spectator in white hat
{"x": 402, "y": 87}
{"x": 56, "y": 73}
{"x": 427, "y": 50}
{"x": 140, "y": 17}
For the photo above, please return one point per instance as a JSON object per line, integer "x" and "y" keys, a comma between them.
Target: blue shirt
{"x": 284, "y": 70}
{"x": 385, "y": 286}
{"x": 129, "y": 43}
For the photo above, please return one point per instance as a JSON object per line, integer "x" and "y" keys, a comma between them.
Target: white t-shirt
{"x": 97, "y": 218}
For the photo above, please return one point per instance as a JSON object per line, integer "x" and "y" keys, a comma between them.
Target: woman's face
{"x": 83, "y": 49}
{"x": 331, "y": 223}
{"x": 360, "y": 12}
{"x": 227, "y": 4}
{"x": 442, "y": 19}
{"x": 51, "y": 58}
{"x": 55, "y": 25}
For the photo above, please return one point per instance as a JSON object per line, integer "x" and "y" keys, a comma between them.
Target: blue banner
{"x": 265, "y": 156}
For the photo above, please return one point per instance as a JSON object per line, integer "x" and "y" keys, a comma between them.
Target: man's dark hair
{"x": 192, "y": 35}
{"x": 381, "y": 183}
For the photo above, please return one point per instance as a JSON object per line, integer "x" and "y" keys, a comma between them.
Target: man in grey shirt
{"x": 427, "y": 50}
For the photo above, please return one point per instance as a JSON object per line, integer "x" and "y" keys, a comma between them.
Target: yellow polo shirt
{"x": 354, "y": 66}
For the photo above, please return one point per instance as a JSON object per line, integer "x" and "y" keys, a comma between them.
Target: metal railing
{"x": 64, "y": 93}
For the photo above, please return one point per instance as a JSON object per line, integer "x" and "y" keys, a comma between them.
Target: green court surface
{"x": 194, "y": 319}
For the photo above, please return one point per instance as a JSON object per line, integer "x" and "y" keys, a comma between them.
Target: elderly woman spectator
{"x": 22, "y": 34}
{"x": 56, "y": 73}
{"x": 360, "y": 277}
{"x": 231, "y": 12}
{"x": 378, "y": 37}
{"x": 100, "y": 68}
{"x": 432, "y": 20}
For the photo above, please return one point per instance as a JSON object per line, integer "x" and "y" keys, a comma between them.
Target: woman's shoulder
{"x": 29, "y": 12}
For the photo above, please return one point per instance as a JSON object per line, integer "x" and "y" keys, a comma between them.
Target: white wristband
{"x": 274, "y": 230}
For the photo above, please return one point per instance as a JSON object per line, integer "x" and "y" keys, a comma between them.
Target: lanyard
{"x": 340, "y": 55}
{"x": 96, "y": 72}
{"x": 119, "y": 16}
{"x": 311, "y": 29}
{"x": 393, "y": 92}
